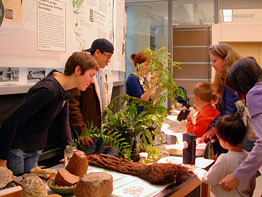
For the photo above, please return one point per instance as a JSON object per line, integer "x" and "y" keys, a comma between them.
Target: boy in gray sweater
{"x": 230, "y": 131}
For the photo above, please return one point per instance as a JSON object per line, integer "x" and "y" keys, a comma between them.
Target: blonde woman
{"x": 222, "y": 57}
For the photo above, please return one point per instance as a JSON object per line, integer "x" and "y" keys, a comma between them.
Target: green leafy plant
{"x": 112, "y": 138}
{"x": 153, "y": 154}
{"x": 132, "y": 124}
{"x": 159, "y": 75}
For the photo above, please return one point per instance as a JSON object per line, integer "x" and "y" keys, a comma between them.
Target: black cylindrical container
{"x": 189, "y": 153}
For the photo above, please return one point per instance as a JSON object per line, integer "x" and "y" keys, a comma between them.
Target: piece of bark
{"x": 95, "y": 184}
{"x": 65, "y": 178}
{"x": 114, "y": 163}
{"x": 157, "y": 173}
{"x": 78, "y": 164}
{"x": 164, "y": 173}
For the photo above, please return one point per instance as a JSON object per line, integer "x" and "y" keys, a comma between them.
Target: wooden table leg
{"x": 205, "y": 191}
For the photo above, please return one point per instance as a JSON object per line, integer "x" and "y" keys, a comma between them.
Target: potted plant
{"x": 130, "y": 124}
{"x": 111, "y": 138}
{"x": 133, "y": 125}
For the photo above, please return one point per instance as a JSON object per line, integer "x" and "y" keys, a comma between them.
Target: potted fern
{"x": 111, "y": 138}
{"x": 132, "y": 125}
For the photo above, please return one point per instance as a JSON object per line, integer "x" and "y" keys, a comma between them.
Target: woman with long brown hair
{"x": 222, "y": 56}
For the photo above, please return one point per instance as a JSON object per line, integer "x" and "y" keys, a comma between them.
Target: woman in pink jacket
{"x": 245, "y": 78}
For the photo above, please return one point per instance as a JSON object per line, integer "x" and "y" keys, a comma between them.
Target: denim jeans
{"x": 21, "y": 162}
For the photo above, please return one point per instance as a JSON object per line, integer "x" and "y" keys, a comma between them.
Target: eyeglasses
{"x": 108, "y": 56}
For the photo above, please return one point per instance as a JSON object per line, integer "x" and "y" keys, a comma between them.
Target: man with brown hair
{"x": 86, "y": 106}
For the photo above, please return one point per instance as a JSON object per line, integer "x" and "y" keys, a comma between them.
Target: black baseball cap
{"x": 102, "y": 44}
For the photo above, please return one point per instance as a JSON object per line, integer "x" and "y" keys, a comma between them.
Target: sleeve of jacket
{"x": 199, "y": 128}
{"x": 229, "y": 99}
{"x": 133, "y": 87}
{"x": 63, "y": 119}
{"x": 216, "y": 172}
{"x": 75, "y": 116}
{"x": 254, "y": 160}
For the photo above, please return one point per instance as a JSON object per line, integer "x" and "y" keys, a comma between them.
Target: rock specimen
{"x": 78, "y": 164}
{"x": 65, "y": 178}
{"x": 157, "y": 173}
{"x": 6, "y": 176}
{"x": 45, "y": 173}
{"x": 95, "y": 184}
{"x": 33, "y": 186}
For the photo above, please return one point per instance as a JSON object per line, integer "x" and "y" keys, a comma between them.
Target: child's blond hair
{"x": 204, "y": 91}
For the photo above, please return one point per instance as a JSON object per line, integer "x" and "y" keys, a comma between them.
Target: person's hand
{"x": 3, "y": 163}
{"x": 160, "y": 84}
{"x": 229, "y": 182}
{"x": 200, "y": 140}
{"x": 191, "y": 113}
{"x": 191, "y": 169}
{"x": 208, "y": 135}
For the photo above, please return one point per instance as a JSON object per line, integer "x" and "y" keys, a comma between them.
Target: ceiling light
{"x": 227, "y": 15}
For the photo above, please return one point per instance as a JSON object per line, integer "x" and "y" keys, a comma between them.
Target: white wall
{"x": 239, "y": 33}
{"x": 236, "y": 33}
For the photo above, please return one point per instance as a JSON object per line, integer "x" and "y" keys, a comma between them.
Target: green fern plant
{"x": 111, "y": 138}
{"x": 131, "y": 124}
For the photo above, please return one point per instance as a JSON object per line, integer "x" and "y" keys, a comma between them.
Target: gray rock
{"x": 95, "y": 184}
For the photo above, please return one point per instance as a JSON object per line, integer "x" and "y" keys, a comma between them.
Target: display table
{"x": 183, "y": 189}
{"x": 128, "y": 185}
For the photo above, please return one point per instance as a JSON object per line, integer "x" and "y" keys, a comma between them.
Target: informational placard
{"x": 51, "y": 25}
{"x": 19, "y": 36}
{"x": 91, "y": 20}
{"x": 44, "y": 33}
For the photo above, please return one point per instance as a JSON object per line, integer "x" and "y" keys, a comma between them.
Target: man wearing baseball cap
{"x": 85, "y": 107}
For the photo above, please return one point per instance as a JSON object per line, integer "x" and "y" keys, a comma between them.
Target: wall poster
{"x": 43, "y": 34}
